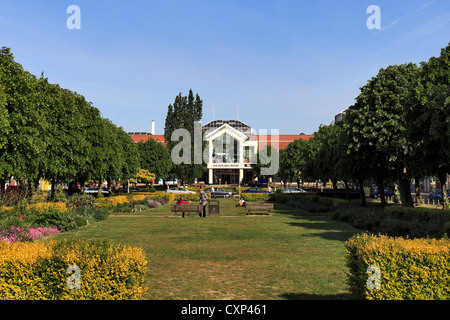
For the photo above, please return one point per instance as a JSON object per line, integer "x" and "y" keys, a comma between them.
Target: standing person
{"x": 203, "y": 198}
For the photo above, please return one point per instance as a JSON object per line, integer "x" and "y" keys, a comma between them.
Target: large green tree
{"x": 185, "y": 112}
{"x": 155, "y": 158}
{"x": 267, "y": 162}
{"x": 293, "y": 160}
{"x": 434, "y": 95}
{"x": 24, "y": 141}
{"x": 378, "y": 125}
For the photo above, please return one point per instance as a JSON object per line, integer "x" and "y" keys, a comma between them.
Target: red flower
{"x": 21, "y": 217}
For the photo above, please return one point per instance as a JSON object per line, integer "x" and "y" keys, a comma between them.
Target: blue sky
{"x": 287, "y": 65}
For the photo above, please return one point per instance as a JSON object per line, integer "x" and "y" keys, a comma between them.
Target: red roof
{"x": 138, "y": 138}
{"x": 283, "y": 139}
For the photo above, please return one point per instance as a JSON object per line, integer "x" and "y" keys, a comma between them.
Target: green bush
{"x": 91, "y": 214}
{"x": 62, "y": 221}
{"x": 256, "y": 197}
{"x": 397, "y": 221}
{"x": 447, "y": 228}
{"x": 80, "y": 221}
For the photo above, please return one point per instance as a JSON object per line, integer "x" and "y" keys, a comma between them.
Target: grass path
{"x": 290, "y": 255}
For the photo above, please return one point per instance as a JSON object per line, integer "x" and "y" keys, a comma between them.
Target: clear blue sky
{"x": 289, "y": 65}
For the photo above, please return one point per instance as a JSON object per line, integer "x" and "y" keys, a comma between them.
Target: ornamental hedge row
{"x": 408, "y": 269}
{"x": 39, "y": 270}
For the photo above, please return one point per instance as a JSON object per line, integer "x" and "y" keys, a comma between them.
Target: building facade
{"x": 231, "y": 149}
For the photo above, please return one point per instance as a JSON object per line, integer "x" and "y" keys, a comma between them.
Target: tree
{"x": 325, "y": 147}
{"x": 154, "y": 157}
{"x": 434, "y": 94}
{"x": 145, "y": 176}
{"x": 293, "y": 160}
{"x": 130, "y": 155}
{"x": 50, "y": 132}
{"x": 379, "y": 127}
{"x": 183, "y": 114}
{"x": 267, "y": 162}
{"x": 23, "y": 144}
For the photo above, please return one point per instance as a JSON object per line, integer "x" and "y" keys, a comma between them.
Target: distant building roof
{"x": 283, "y": 140}
{"x": 236, "y": 124}
{"x": 144, "y": 136}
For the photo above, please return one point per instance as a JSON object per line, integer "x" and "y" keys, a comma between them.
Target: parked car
{"x": 179, "y": 190}
{"x": 125, "y": 190}
{"x": 255, "y": 190}
{"x": 374, "y": 192}
{"x": 437, "y": 194}
{"x": 94, "y": 191}
{"x": 218, "y": 192}
{"x": 293, "y": 190}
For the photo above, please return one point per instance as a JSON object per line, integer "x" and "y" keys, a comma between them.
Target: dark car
{"x": 437, "y": 194}
{"x": 125, "y": 190}
{"x": 218, "y": 192}
{"x": 255, "y": 190}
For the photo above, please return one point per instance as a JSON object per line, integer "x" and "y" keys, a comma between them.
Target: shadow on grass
{"x": 309, "y": 296}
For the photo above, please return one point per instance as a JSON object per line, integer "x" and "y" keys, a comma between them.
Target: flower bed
{"x": 17, "y": 234}
{"x": 38, "y": 270}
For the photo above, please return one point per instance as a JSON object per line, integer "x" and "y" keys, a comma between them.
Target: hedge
{"x": 409, "y": 269}
{"x": 39, "y": 270}
{"x": 257, "y": 197}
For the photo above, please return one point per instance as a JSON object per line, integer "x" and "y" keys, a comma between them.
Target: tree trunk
{"x": 417, "y": 187}
{"x": 72, "y": 186}
{"x": 36, "y": 186}
{"x": 443, "y": 182}
{"x": 362, "y": 194}
{"x": 335, "y": 188}
{"x": 380, "y": 185}
{"x": 109, "y": 182}
{"x": 2, "y": 185}
{"x": 99, "y": 187}
{"x": 404, "y": 185}
{"x": 53, "y": 191}
{"x": 347, "y": 191}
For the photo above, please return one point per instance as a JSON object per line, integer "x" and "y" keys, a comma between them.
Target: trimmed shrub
{"x": 62, "y": 221}
{"x": 91, "y": 214}
{"x": 38, "y": 271}
{"x": 397, "y": 221}
{"x": 80, "y": 221}
{"x": 257, "y": 197}
{"x": 409, "y": 269}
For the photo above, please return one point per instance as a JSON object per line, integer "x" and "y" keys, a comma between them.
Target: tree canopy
{"x": 49, "y": 132}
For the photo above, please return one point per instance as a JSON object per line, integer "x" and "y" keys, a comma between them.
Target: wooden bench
{"x": 187, "y": 208}
{"x": 258, "y": 206}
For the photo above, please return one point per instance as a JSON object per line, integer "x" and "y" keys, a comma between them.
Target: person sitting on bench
{"x": 180, "y": 201}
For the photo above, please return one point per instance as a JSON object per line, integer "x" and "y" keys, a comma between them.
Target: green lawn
{"x": 289, "y": 255}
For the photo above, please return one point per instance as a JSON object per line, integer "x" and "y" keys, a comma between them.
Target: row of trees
{"x": 397, "y": 130}
{"x": 48, "y": 132}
